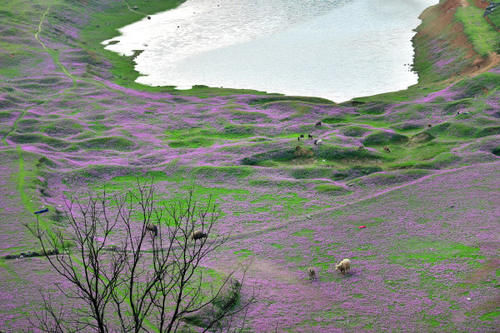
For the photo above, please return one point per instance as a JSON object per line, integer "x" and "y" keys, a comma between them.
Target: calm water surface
{"x": 337, "y": 49}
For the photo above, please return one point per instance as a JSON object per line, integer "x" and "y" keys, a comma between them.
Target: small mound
{"x": 454, "y": 106}
{"x": 238, "y": 131}
{"x": 63, "y": 128}
{"x": 384, "y": 138}
{"x": 334, "y": 153}
{"x": 478, "y": 85}
{"x": 355, "y": 172}
{"x": 45, "y": 162}
{"x": 334, "y": 120}
{"x": 373, "y": 108}
{"x": 391, "y": 178}
{"x": 456, "y": 130}
{"x": 407, "y": 127}
{"x": 6, "y": 115}
{"x": 191, "y": 143}
{"x": 312, "y": 173}
{"x": 331, "y": 189}
{"x": 494, "y": 130}
{"x": 285, "y": 184}
{"x": 110, "y": 143}
{"x": 496, "y": 151}
{"x": 422, "y": 138}
{"x": 29, "y": 125}
{"x": 354, "y": 131}
{"x": 222, "y": 172}
{"x": 303, "y": 152}
{"x": 38, "y": 138}
{"x": 441, "y": 161}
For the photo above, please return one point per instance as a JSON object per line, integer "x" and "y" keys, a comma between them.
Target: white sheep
{"x": 344, "y": 266}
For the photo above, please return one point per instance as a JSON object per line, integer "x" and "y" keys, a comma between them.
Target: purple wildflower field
{"x": 418, "y": 168}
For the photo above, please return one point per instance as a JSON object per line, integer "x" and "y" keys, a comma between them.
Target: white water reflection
{"x": 337, "y": 49}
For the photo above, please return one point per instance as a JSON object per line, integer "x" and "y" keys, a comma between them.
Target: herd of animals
{"x": 310, "y": 136}
{"x": 317, "y": 142}
{"x": 344, "y": 266}
{"x": 195, "y": 235}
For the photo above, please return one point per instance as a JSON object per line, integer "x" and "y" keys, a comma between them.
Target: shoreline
{"x": 214, "y": 67}
{"x": 125, "y": 73}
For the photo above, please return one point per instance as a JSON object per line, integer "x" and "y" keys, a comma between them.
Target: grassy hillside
{"x": 419, "y": 168}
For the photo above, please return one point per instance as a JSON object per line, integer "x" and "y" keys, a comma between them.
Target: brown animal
{"x": 318, "y": 124}
{"x": 387, "y": 149}
{"x": 311, "y": 273}
{"x": 198, "y": 234}
{"x": 344, "y": 266}
{"x": 152, "y": 228}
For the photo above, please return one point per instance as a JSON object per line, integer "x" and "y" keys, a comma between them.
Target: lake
{"x": 336, "y": 49}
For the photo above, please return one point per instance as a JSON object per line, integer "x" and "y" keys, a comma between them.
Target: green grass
{"x": 415, "y": 251}
{"x": 483, "y": 36}
{"x": 384, "y": 138}
{"x": 110, "y": 143}
{"x": 273, "y": 99}
{"x": 223, "y": 171}
{"x": 490, "y": 316}
{"x": 304, "y": 233}
{"x": 196, "y": 142}
{"x": 205, "y": 137}
{"x": 244, "y": 253}
{"x": 331, "y": 189}
{"x": 495, "y": 18}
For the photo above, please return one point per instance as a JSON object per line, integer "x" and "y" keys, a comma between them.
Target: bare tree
{"x": 134, "y": 266}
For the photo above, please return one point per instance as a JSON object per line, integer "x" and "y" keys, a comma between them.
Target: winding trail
{"x": 51, "y": 52}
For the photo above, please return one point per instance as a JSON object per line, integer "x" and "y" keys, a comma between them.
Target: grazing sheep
{"x": 387, "y": 149}
{"x": 302, "y": 136}
{"x": 318, "y": 141}
{"x": 198, "y": 234}
{"x": 311, "y": 272}
{"x": 152, "y": 228}
{"x": 429, "y": 125}
{"x": 310, "y": 136}
{"x": 344, "y": 266}
{"x": 318, "y": 124}
{"x": 298, "y": 139}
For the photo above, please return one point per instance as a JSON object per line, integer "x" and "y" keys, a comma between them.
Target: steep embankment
{"x": 448, "y": 48}
{"x": 418, "y": 167}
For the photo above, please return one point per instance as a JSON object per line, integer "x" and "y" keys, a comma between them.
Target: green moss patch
{"x": 108, "y": 143}
{"x": 415, "y": 251}
{"x": 331, "y": 189}
{"x": 384, "y": 138}
{"x": 483, "y": 36}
